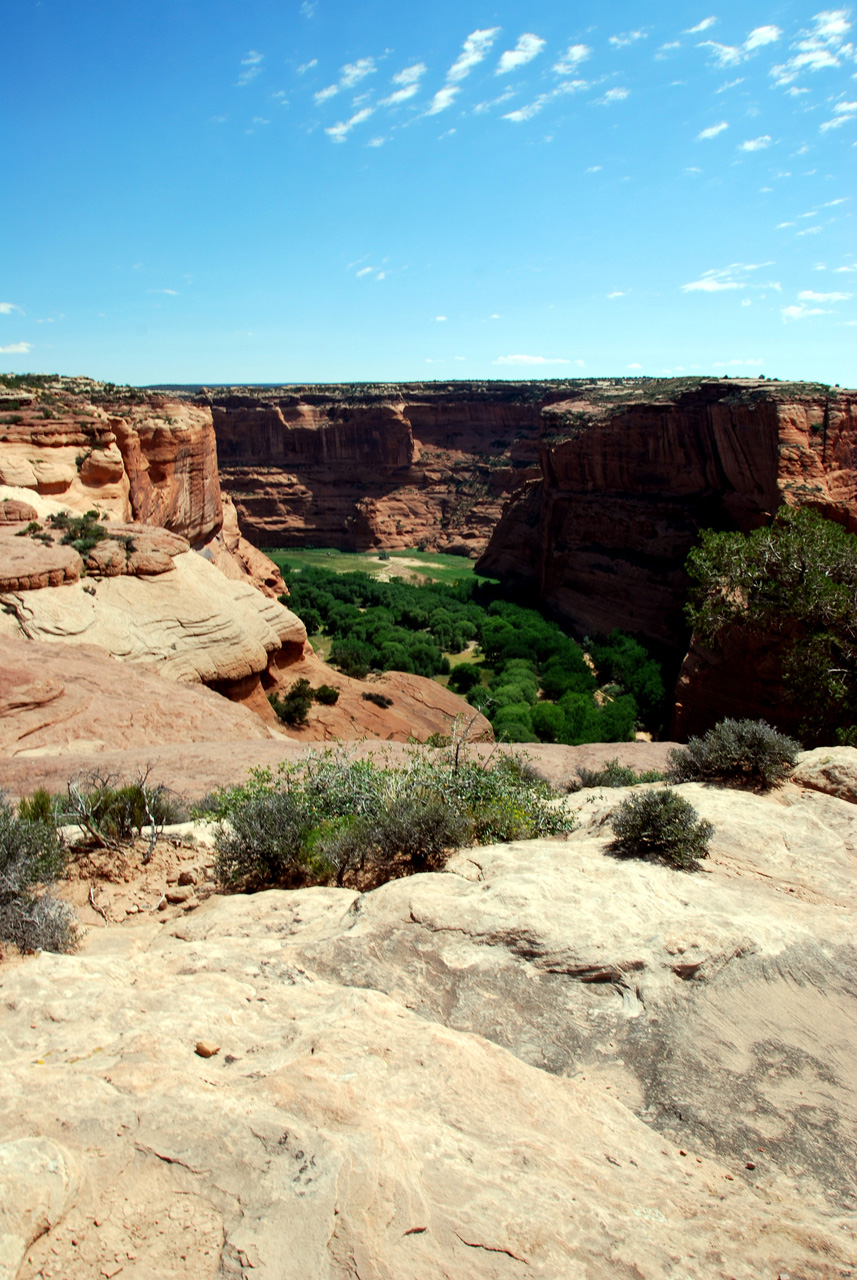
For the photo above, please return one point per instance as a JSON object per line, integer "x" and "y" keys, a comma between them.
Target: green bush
{"x": 379, "y": 699}
{"x": 32, "y": 855}
{"x": 293, "y": 707}
{"x": 464, "y": 677}
{"x": 360, "y": 823}
{"x": 746, "y": 753}
{"x": 326, "y": 694}
{"x": 81, "y": 532}
{"x": 663, "y": 826}
{"x": 614, "y": 774}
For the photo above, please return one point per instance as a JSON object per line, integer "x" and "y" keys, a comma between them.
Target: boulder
{"x": 29, "y": 565}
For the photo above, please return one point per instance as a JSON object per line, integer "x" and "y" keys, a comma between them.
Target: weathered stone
{"x": 30, "y": 565}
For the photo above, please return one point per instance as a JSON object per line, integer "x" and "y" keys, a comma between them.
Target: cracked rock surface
{"x": 545, "y": 1062}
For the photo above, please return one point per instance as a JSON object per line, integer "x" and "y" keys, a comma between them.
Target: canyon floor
{"x": 543, "y": 1062}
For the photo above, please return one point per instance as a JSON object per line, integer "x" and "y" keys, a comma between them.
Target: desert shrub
{"x": 326, "y": 694}
{"x": 379, "y": 699}
{"x": 614, "y": 774}
{"x": 293, "y": 707}
{"x": 32, "y": 855}
{"x": 41, "y": 806}
{"x": 745, "y": 753}
{"x": 266, "y": 843}
{"x": 81, "y": 532}
{"x": 663, "y": 826}
{"x": 113, "y": 812}
{"x": 360, "y": 823}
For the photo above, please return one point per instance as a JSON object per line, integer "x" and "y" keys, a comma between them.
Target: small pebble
{"x": 207, "y": 1048}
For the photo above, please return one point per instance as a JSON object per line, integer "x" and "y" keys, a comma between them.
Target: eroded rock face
{"x": 603, "y": 535}
{"x": 543, "y": 1063}
{"x": 361, "y": 467}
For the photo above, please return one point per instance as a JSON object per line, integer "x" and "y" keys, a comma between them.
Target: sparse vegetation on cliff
{"x": 747, "y": 753}
{"x": 32, "y": 856}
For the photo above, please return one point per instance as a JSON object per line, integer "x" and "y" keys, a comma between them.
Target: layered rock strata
{"x": 602, "y": 536}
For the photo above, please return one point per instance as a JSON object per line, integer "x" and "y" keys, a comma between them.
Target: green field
{"x": 413, "y": 566}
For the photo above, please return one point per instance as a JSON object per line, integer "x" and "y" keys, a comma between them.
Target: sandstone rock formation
{"x": 603, "y": 535}
{"x": 392, "y": 466}
{"x": 546, "y": 1062}
{"x": 75, "y": 701}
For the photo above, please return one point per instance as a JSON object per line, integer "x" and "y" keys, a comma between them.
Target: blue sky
{"x": 356, "y": 190}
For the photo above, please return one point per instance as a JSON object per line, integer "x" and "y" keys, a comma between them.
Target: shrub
{"x": 32, "y": 854}
{"x": 81, "y": 532}
{"x": 614, "y": 774}
{"x": 360, "y": 823}
{"x": 112, "y": 812}
{"x": 464, "y": 677}
{"x": 380, "y": 699}
{"x": 743, "y": 752}
{"x": 293, "y": 707}
{"x": 663, "y": 826}
{"x": 326, "y": 694}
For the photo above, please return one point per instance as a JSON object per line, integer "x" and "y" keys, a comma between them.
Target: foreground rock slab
{"x": 545, "y": 1063}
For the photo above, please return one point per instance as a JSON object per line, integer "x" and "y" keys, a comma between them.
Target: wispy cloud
{"x": 528, "y": 47}
{"x": 722, "y": 279}
{"x": 761, "y": 36}
{"x": 6, "y": 308}
{"x": 617, "y": 293}
{"x": 713, "y": 130}
{"x": 705, "y": 25}
{"x": 307, "y": 66}
{"x": 843, "y": 113}
{"x": 730, "y": 55}
{"x": 251, "y": 66}
{"x": 16, "y": 349}
{"x": 613, "y": 95}
{"x": 476, "y": 47}
{"x": 571, "y": 59}
{"x": 409, "y": 81}
{"x": 351, "y": 74}
{"x": 756, "y": 144}
{"x": 443, "y": 99}
{"x": 308, "y": 8}
{"x": 627, "y": 37}
{"x": 800, "y": 313}
{"x": 809, "y": 295}
{"x": 538, "y": 104}
{"x": 531, "y": 360}
{"x": 730, "y": 84}
{"x": 440, "y": 319}
{"x": 820, "y": 46}
{"x": 173, "y": 293}
{"x": 339, "y": 132}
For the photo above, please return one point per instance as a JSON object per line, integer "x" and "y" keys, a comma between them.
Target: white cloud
{"x": 382, "y": 275}
{"x": 173, "y": 293}
{"x": 730, "y": 84}
{"x": 746, "y": 302}
{"x": 809, "y": 231}
{"x": 725, "y": 55}
{"x": 6, "y": 308}
{"x": 251, "y": 65}
{"x": 842, "y": 270}
{"x": 16, "y": 349}
{"x": 309, "y": 7}
{"x": 534, "y": 107}
{"x": 401, "y": 95}
{"x": 800, "y": 313}
{"x": 617, "y": 293}
{"x": 307, "y": 66}
{"x": 440, "y": 319}
{"x": 365, "y": 271}
{"x": 594, "y": 168}
{"x": 377, "y": 142}
{"x": 528, "y": 47}
{"x": 482, "y": 107}
{"x": 760, "y": 36}
{"x": 817, "y": 47}
{"x": 719, "y": 280}
{"x": 627, "y": 37}
{"x": 781, "y": 225}
{"x": 530, "y": 360}
{"x": 613, "y": 95}
{"x": 756, "y": 144}
{"x": 571, "y": 59}
{"x": 442, "y": 99}
{"x": 809, "y": 295}
{"x": 664, "y": 49}
{"x": 635, "y": 366}
{"x": 410, "y": 75}
{"x": 713, "y": 130}
{"x": 339, "y": 132}
{"x": 843, "y": 113}
{"x": 350, "y": 75}
{"x": 700, "y": 26}
{"x": 475, "y": 48}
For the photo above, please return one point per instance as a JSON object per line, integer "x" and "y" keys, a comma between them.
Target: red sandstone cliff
{"x": 603, "y": 535}
{"x": 356, "y": 467}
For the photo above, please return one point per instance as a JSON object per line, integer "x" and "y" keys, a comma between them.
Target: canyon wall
{"x": 602, "y": 536}
{"x": 359, "y": 467}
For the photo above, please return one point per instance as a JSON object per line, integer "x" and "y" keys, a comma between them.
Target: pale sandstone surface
{"x": 77, "y": 701}
{"x": 545, "y": 1063}
{"x": 830, "y": 769}
{"x": 193, "y": 622}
